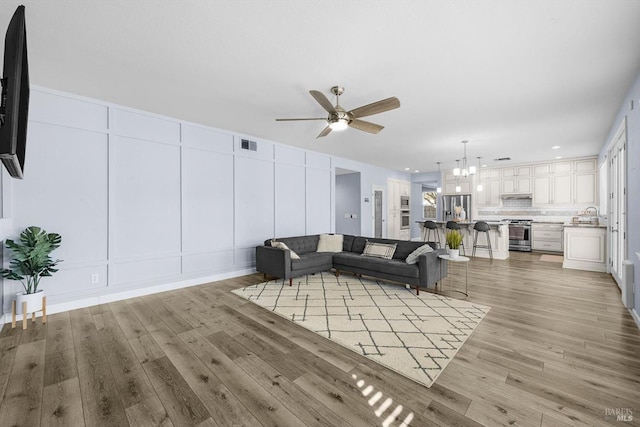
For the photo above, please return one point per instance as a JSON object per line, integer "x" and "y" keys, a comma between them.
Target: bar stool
{"x": 430, "y": 226}
{"x": 452, "y": 225}
{"x": 482, "y": 227}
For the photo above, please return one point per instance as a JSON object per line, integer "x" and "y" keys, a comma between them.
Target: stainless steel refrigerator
{"x": 456, "y": 207}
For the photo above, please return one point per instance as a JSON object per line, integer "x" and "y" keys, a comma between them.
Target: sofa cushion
{"x": 330, "y": 243}
{"x": 389, "y": 266}
{"x": 412, "y": 258}
{"x": 347, "y": 242}
{"x": 319, "y": 260}
{"x": 380, "y": 250}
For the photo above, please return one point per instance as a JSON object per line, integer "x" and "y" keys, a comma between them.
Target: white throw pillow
{"x": 412, "y": 258}
{"x": 379, "y": 250}
{"x": 281, "y": 245}
{"x": 330, "y": 243}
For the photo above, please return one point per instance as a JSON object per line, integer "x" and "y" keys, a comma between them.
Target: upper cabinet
{"x": 491, "y": 183}
{"x": 565, "y": 183}
{"x": 516, "y": 180}
{"x": 450, "y": 183}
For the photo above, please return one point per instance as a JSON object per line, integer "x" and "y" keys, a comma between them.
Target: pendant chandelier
{"x": 464, "y": 172}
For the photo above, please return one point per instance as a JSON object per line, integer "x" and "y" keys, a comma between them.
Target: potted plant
{"x": 30, "y": 262}
{"x": 454, "y": 240}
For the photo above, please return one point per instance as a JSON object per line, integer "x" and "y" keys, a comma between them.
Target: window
{"x": 429, "y": 200}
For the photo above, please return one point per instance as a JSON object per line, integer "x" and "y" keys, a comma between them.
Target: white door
{"x": 377, "y": 211}
{"x": 618, "y": 206}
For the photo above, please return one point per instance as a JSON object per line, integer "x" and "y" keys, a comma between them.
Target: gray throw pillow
{"x": 412, "y": 258}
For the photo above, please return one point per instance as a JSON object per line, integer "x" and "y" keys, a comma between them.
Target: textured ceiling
{"x": 513, "y": 77}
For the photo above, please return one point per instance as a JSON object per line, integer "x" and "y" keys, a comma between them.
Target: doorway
{"x": 617, "y": 162}
{"x": 347, "y": 205}
{"x": 378, "y": 211}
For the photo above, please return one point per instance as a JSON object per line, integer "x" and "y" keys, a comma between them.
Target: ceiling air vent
{"x": 245, "y": 144}
{"x": 502, "y": 159}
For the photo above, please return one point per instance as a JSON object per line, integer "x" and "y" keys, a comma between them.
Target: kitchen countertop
{"x": 495, "y": 223}
{"x": 571, "y": 224}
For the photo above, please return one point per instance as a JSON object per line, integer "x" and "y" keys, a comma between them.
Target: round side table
{"x": 465, "y": 260}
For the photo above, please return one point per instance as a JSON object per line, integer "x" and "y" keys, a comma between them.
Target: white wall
{"x": 142, "y": 200}
{"x": 632, "y": 116}
{"x": 148, "y": 202}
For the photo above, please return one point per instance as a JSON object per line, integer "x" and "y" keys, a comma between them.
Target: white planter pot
{"x": 34, "y": 301}
{"x": 454, "y": 253}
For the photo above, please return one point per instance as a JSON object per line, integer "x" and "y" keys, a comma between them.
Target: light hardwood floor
{"x": 556, "y": 349}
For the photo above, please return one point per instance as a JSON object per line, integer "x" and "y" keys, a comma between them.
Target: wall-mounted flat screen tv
{"x": 15, "y": 96}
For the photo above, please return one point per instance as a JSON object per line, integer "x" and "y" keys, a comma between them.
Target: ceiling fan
{"x": 340, "y": 119}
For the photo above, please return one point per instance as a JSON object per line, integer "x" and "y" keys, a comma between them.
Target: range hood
{"x": 516, "y": 196}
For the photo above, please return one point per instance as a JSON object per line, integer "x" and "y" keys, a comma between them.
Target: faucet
{"x": 589, "y": 208}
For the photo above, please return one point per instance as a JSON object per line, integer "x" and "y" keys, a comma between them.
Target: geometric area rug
{"x": 414, "y": 335}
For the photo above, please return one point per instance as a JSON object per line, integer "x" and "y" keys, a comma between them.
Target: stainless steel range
{"x": 519, "y": 234}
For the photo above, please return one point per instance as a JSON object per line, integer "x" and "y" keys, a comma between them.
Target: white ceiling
{"x": 513, "y": 77}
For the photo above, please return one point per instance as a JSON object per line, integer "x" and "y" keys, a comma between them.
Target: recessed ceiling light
{"x": 407, "y": 169}
{"x": 416, "y": 171}
{"x": 558, "y": 157}
{"x": 484, "y": 166}
{"x": 555, "y": 147}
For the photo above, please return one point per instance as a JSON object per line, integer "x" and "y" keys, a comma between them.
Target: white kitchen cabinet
{"x": 516, "y": 180}
{"x": 546, "y": 237}
{"x": 450, "y": 183}
{"x": 585, "y": 188}
{"x": 395, "y": 190}
{"x": 585, "y": 247}
{"x": 553, "y": 189}
{"x": 561, "y": 189}
{"x": 491, "y": 189}
{"x": 542, "y": 190}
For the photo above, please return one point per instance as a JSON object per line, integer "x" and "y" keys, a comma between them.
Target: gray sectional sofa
{"x": 428, "y": 271}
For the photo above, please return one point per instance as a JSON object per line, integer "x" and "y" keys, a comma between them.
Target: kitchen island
{"x": 498, "y": 233}
{"x": 585, "y": 247}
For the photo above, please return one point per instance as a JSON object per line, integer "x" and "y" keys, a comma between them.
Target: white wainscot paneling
{"x": 133, "y": 273}
{"x": 318, "y": 184}
{"x": 207, "y": 211}
{"x": 289, "y": 155}
{"x": 75, "y": 281}
{"x": 65, "y": 190}
{"x": 245, "y": 257}
{"x": 290, "y": 200}
{"x": 254, "y": 201}
{"x": 147, "y": 199}
{"x": 141, "y": 126}
{"x": 207, "y": 139}
{"x": 264, "y": 150}
{"x": 57, "y": 109}
{"x": 211, "y": 262}
{"x": 318, "y": 161}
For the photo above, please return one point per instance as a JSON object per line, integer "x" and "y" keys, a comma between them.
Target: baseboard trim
{"x": 119, "y": 296}
{"x": 635, "y": 316}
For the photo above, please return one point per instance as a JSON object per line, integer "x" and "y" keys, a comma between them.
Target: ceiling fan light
{"x": 338, "y": 125}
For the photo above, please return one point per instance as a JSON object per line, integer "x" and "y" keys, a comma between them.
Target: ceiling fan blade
{"x": 375, "y": 108}
{"x": 365, "y": 126}
{"x": 323, "y": 101}
{"x": 324, "y": 132}
{"x": 294, "y": 120}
